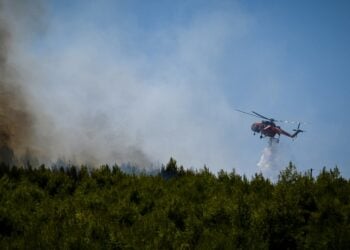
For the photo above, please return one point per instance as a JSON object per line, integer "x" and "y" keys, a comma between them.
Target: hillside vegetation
{"x": 105, "y": 208}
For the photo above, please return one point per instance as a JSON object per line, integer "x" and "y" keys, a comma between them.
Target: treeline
{"x": 105, "y": 208}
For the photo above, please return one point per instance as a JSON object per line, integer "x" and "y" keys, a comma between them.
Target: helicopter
{"x": 268, "y": 128}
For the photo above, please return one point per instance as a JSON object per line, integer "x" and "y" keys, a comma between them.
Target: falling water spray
{"x": 269, "y": 162}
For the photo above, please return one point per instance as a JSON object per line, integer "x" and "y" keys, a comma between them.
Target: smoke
{"x": 270, "y": 161}
{"x": 16, "y": 121}
{"x": 77, "y": 91}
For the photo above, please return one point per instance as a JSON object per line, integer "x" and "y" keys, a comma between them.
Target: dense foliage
{"x": 105, "y": 208}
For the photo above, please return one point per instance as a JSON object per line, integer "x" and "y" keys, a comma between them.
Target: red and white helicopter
{"x": 268, "y": 128}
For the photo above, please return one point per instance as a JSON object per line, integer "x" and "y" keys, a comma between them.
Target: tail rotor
{"x": 297, "y": 131}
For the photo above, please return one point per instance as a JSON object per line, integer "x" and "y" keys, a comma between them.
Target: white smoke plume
{"x": 97, "y": 95}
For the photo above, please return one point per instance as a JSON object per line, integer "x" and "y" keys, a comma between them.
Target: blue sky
{"x": 165, "y": 76}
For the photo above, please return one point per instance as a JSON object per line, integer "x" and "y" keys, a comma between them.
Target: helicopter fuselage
{"x": 269, "y": 129}
{"x": 265, "y": 129}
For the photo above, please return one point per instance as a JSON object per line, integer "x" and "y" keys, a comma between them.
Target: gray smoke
{"x": 87, "y": 93}
{"x": 16, "y": 120}
{"x": 30, "y": 127}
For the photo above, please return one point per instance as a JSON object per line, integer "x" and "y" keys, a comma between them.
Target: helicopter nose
{"x": 255, "y": 128}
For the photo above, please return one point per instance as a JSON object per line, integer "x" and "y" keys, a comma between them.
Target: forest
{"x": 73, "y": 207}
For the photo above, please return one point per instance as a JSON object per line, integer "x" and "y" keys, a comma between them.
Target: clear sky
{"x": 165, "y": 76}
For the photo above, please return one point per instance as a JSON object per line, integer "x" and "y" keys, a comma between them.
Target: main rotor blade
{"x": 286, "y": 121}
{"x": 274, "y": 120}
{"x": 264, "y": 117}
{"x": 255, "y": 114}
{"x": 293, "y": 122}
{"x": 246, "y": 113}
